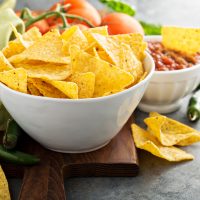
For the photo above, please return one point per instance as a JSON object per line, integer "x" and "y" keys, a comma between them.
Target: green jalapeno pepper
{"x": 17, "y": 157}
{"x": 12, "y": 133}
{"x": 193, "y": 112}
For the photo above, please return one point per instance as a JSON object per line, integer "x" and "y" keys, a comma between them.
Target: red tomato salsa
{"x": 167, "y": 60}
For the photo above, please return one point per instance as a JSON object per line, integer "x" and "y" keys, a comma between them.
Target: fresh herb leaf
{"x": 119, "y": 6}
{"x": 151, "y": 29}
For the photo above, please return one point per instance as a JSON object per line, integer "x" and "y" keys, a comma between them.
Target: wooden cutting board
{"x": 46, "y": 180}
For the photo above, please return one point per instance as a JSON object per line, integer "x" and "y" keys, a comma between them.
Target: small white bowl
{"x": 167, "y": 88}
{"x": 75, "y": 126}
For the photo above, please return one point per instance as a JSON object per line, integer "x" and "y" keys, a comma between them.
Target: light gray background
{"x": 158, "y": 179}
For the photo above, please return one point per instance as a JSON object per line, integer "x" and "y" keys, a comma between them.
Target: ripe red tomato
{"x": 119, "y": 23}
{"x": 78, "y": 7}
{"x": 42, "y": 25}
{"x": 82, "y": 27}
{"x": 89, "y": 13}
{"x": 76, "y": 3}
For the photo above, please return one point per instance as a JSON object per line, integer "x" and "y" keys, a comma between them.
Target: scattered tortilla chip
{"x": 144, "y": 140}
{"x": 186, "y": 40}
{"x": 46, "y": 89}
{"x": 70, "y": 89}
{"x": 121, "y": 55}
{"x": 135, "y": 41}
{"x": 4, "y": 63}
{"x": 73, "y": 36}
{"x": 33, "y": 90}
{"x": 4, "y": 190}
{"x": 18, "y": 45}
{"x": 102, "y": 30}
{"x": 85, "y": 82}
{"x": 46, "y": 49}
{"x": 170, "y": 132}
{"x": 108, "y": 77}
{"x": 52, "y": 71}
{"x": 15, "y": 79}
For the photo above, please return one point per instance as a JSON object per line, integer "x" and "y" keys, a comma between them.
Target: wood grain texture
{"x": 46, "y": 180}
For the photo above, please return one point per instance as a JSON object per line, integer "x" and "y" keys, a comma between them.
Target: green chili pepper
{"x": 4, "y": 116}
{"x": 17, "y": 157}
{"x": 119, "y": 6}
{"x": 193, "y": 112}
{"x": 12, "y": 133}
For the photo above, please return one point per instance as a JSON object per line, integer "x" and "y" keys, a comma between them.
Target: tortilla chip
{"x": 129, "y": 62}
{"x": 85, "y": 82}
{"x": 68, "y": 88}
{"x": 15, "y": 79}
{"x": 52, "y": 71}
{"x": 33, "y": 90}
{"x": 73, "y": 36}
{"x": 4, "y": 63}
{"x": 113, "y": 92}
{"x": 102, "y": 30}
{"x": 46, "y": 89}
{"x": 170, "y": 132}
{"x": 103, "y": 55}
{"x": 4, "y": 190}
{"x": 144, "y": 140}
{"x": 18, "y": 45}
{"x": 32, "y": 34}
{"x": 95, "y": 53}
{"x": 108, "y": 77}
{"x": 135, "y": 41}
{"x": 186, "y": 40}
{"x": 143, "y": 77}
{"x": 121, "y": 55}
{"x": 46, "y": 49}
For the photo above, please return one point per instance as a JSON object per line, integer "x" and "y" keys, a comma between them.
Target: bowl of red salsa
{"x": 177, "y": 75}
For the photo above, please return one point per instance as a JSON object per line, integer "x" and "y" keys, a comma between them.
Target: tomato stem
{"x": 26, "y": 14}
{"x": 30, "y": 19}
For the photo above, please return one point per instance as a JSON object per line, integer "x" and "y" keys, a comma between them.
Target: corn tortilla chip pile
{"x": 162, "y": 135}
{"x": 4, "y": 190}
{"x": 75, "y": 65}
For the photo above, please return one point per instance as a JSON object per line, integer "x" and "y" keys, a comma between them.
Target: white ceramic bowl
{"x": 74, "y": 126}
{"x": 167, "y": 88}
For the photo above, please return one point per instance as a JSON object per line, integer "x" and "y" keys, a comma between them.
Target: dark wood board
{"x": 46, "y": 180}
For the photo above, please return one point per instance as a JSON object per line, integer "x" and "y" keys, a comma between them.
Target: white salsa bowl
{"x": 75, "y": 126}
{"x": 167, "y": 88}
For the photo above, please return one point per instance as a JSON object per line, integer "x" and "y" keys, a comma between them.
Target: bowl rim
{"x": 158, "y": 38}
{"x": 96, "y": 99}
